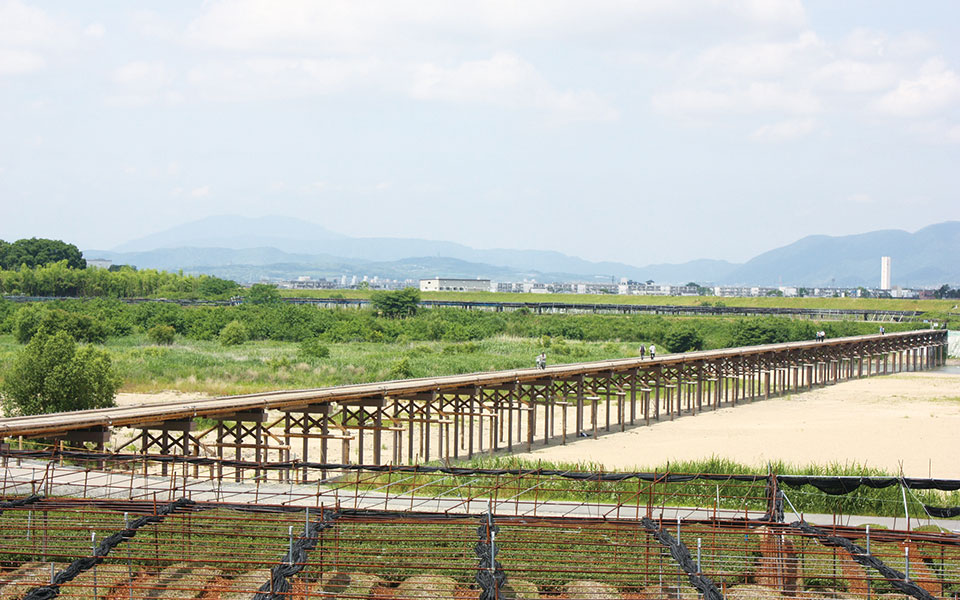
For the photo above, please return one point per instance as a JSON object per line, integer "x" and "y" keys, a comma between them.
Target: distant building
{"x": 884, "y": 272}
{"x": 99, "y": 263}
{"x": 440, "y": 284}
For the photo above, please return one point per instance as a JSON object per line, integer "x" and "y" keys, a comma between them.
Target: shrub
{"x": 51, "y": 374}
{"x": 234, "y": 333}
{"x": 262, "y": 293}
{"x": 400, "y": 369}
{"x": 683, "y": 338}
{"x": 312, "y": 348}
{"x": 32, "y": 318}
{"x": 162, "y": 335}
{"x": 401, "y": 303}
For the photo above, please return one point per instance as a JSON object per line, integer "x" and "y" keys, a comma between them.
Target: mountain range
{"x": 251, "y": 249}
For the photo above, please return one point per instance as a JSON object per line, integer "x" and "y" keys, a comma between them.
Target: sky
{"x": 636, "y": 131}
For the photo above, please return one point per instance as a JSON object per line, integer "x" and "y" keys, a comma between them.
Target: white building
{"x": 884, "y": 272}
{"x": 99, "y": 263}
{"x": 440, "y": 284}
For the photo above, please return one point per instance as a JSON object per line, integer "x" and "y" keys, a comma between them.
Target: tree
{"x": 162, "y": 335}
{"x": 234, "y": 333}
{"x": 39, "y": 251}
{"x": 262, "y": 293}
{"x": 51, "y": 374}
{"x": 402, "y": 303}
{"x": 683, "y": 339}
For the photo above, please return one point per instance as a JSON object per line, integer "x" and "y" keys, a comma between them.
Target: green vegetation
{"x": 51, "y": 374}
{"x": 760, "y": 302}
{"x": 401, "y": 303}
{"x": 59, "y": 279}
{"x": 234, "y": 333}
{"x": 35, "y": 252}
{"x": 734, "y": 495}
{"x": 304, "y": 346}
{"x": 162, "y": 335}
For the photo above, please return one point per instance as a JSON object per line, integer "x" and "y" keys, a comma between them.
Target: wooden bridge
{"x": 457, "y": 416}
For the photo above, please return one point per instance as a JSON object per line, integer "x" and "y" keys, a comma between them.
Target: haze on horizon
{"x": 635, "y": 132}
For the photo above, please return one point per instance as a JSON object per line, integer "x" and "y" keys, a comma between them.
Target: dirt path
{"x": 911, "y": 417}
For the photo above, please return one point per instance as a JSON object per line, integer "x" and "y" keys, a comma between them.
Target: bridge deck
{"x": 52, "y": 424}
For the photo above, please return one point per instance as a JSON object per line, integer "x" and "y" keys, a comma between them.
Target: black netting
{"x": 680, "y": 554}
{"x": 101, "y": 551}
{"x": 490, "y": 575}
{"x": 278, "y": 586}
{"x": 859, "y": 554}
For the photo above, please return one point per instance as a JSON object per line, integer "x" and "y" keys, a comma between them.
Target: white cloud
{"x": 854, "y": 76}
{"x": 144, "y": 75}
{"x": 200, "y": 192}
{"x": 754, "y": 98}
{"x": 268, "y": 78}
{"x": 143, "y": 82}
{"x": 349, "y": 25}
{"x": 508, "y": 81}
{"x": 861, "y": 198}
{"x": 784, "y": 131}
{"x": 22, "y": 25}
{"x": 16, "y": 62}
{"x": 934, "y": 89}
{"x": 94, "y": 30}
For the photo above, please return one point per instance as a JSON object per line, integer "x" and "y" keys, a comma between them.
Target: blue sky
{"x": 641, "y": 132}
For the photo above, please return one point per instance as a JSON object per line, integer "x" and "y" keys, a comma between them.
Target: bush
{"x": 402, "y": 303}
{"x": 32, "y": 318}
{"x": 683, "y": 339}
{"x": 51, "y": 374}
{"x": 262, "y": 293}
{"x": 312, "y": 348}
{"x": 234, "y": 333}
{"x": 400, "y": 369}
{"x": 162, "y": 335}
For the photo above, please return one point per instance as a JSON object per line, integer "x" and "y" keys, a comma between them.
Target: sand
{"x": 911, "y": 419}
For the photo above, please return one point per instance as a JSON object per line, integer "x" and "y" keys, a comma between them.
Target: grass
{"x": 940, "y": 306}
{"x": 210, "y": 368}
{"x": 701, "y": 494}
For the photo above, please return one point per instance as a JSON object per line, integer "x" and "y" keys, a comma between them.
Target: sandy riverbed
{"x": 913, "y": 418}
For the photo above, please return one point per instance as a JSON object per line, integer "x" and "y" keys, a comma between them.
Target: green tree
{"x": 162, "y": 335}
{"x": 51, "y": 374}
{"x": 312, "y": 348}
{"x": 683, "y": 339}
{"x": 234, "y": 333}
{"x": 262, "y": 293}
{"x": 35, "y": 252}
{"x": 401, "y": 303}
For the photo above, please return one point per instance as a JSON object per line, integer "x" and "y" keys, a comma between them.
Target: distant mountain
{"x": 283, "y": 233}
{"x": 927, "y": 257}
{"x": 247, "y": 249}
{"x": 296, "y": 236}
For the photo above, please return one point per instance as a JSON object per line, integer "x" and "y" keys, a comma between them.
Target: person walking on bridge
{"x": 643, "y": 351}
{"x": 653, "y": 351}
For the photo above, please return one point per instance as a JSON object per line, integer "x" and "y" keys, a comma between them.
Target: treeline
{"x": 35, "y": 252}
{"x": 95, "y": 320}
{"x": 60, "y": 279}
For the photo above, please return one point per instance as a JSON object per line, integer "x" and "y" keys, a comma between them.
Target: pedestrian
{"x": 643, "y": 350}
{"x": 653, "y": 352}
{"x": 542, "y": 360}
{"x": 882, "y": 330}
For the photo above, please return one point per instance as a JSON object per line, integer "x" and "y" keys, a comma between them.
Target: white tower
{"x": 884, "y": 272}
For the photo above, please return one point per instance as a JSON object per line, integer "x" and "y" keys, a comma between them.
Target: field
{"x": 208, "y": 367}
